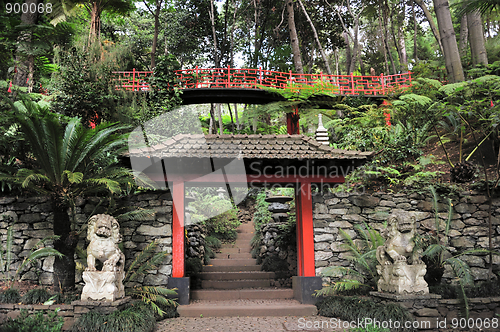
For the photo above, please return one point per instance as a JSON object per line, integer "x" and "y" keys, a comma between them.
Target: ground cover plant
{"x": 359, "y": 308}
{"x": 41, "y": 321}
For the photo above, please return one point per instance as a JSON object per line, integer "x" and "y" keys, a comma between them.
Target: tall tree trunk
{"x": 212, "y": 116}
{"x": 297, "y": 59}
{"x": 415, "y": 53}
{"x": 434, "y": 28}
{"x": 348, "y": 56}
{"x": 464, "y": 32}
{"x": 25, "y": 63}
{"x": 95, "y": 23}
{"x": 323, "y": 55}
{"x": 214, "y": 35}
{"x": 236, "y": 116}
{"x": 231, "y": 114}
{"x": 386, "y": 62}
{"x": 449, "y": 41}
{"x": 403, "y": 57}
{"x": 155, "y": 36}
{"x": 156, "y": 15}
{"x": 336, "y": 56}
{"x": 385, "y": 16}
{"x": 221, "y": 124}
{"x": 476, "y": 37}
{"x": 64, "y": 267}
{"x": 232, "y": 36}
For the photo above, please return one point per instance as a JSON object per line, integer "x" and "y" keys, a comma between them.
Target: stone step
{"x": 234, "y": 250}
{"x": 210, "y": 268}
{"x": 246, "y": 228}
{"x": 245, "y": 255}
{"x": 244, "y": 236}
{"x": 230, "y": 309}
{"x": 232, "y": 262}
{"x": 239, "y": 245}
{"x": 234, "y": 284}
{"x": 238, "y": 294}
{"x": 236, "y": 275}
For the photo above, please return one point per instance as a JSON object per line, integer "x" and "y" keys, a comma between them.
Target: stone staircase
{"x": 234, "y": 285}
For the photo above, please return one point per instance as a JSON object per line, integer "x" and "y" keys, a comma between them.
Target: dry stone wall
{"x": 469, "y": 226}
{"x": 32, "y": 221}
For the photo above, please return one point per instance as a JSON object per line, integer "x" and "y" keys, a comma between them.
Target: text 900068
{"x": 32, "y": 8}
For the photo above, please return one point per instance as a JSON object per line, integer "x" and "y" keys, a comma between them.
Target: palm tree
{"x": 483, "y": 6}
{"x": 70, "y": 161}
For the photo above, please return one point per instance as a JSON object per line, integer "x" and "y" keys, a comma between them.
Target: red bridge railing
{"x": 258, "y": 78}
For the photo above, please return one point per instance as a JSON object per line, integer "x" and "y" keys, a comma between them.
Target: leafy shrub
{"x": 41, "y": 321}
{"x": 354, "y": 308}
{"x": 10, "y": 295}
{"x": 139, "y": 317}
{"x": 36, "y": 296}
{"x": 484, "y": 289}
{"x": 213, "y": 242}
{"x": 193, "y": 266}
{"x": 217, "y": 214}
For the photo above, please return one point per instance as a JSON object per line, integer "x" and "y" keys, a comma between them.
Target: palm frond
{"x": 144, "y": 255}
{"x": 136, "y": 215}
{"x": 37, "y": 254}
{"x": 483, "y": 6}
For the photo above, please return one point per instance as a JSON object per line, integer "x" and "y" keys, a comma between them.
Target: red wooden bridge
{"x": 244, "y": 78}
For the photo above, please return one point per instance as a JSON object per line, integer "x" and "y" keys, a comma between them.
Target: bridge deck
{"x": 240, "y": 85}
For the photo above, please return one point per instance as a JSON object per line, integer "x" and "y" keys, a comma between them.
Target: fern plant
{"x": 149, "y": 259}
{"x": 363, "y": 254}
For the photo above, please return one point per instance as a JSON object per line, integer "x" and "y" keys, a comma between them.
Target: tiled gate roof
{"x": 246, "y": 147}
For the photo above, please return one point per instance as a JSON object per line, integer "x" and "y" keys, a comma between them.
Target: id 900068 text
{"x": 24, "y": 8}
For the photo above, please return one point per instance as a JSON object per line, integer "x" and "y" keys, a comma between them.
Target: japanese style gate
{"x": 295, "y": 161}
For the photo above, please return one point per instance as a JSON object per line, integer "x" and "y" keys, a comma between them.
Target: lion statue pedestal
{"x": 401, "y": 270}
{"x": 107, "y": 284}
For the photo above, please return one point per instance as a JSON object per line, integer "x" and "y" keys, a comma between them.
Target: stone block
{"x": 465, "y": 208}
{"x": 155, "y": 231}
{"x": 323, "y": 237}
{"x": 320, "y": 208}
{"x": 462, "y": 242}
{"x": 322, "y": 255}
{"x": 365, "y": 201}
{"x": 9, "y": 215}
{"x": 337, "y": 211}
{"x": 6, "y": 200}
{"x": 427, "y": 312}
{"x": 475, "y": 231}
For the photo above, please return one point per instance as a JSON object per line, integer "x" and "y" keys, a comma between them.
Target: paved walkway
{"x": 249, "y": 324}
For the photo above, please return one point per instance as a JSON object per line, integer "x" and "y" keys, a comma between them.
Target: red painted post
{"x": 307, "y": 230}
{"x": 133, "y": 79}
{"x": 383, "y": 83}
{"x": 228, "y": 76}
{"x": 352, "y": 83}
{"x": 260, "y": 75}
{"x": 178, "y": 229}
{"x": 298, "y": 216}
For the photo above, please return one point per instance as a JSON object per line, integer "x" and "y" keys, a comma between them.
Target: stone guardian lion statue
{"x": 104, "y": 236}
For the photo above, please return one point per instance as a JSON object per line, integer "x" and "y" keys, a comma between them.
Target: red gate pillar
{"x": 305, "y": 232}
{"x": 178, "y": 280}
{"x": 178, "y": 229}
{"x": 298, "y": 215}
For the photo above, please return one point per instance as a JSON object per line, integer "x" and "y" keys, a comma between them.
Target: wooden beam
{"x": 247, "y": 178}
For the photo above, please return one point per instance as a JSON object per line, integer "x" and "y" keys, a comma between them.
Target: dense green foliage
{"x": 354, "y": 308}
{"x": 41, "y": 321}
{"x": 137, "y": 317}
{"x": 10, "y": 295}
